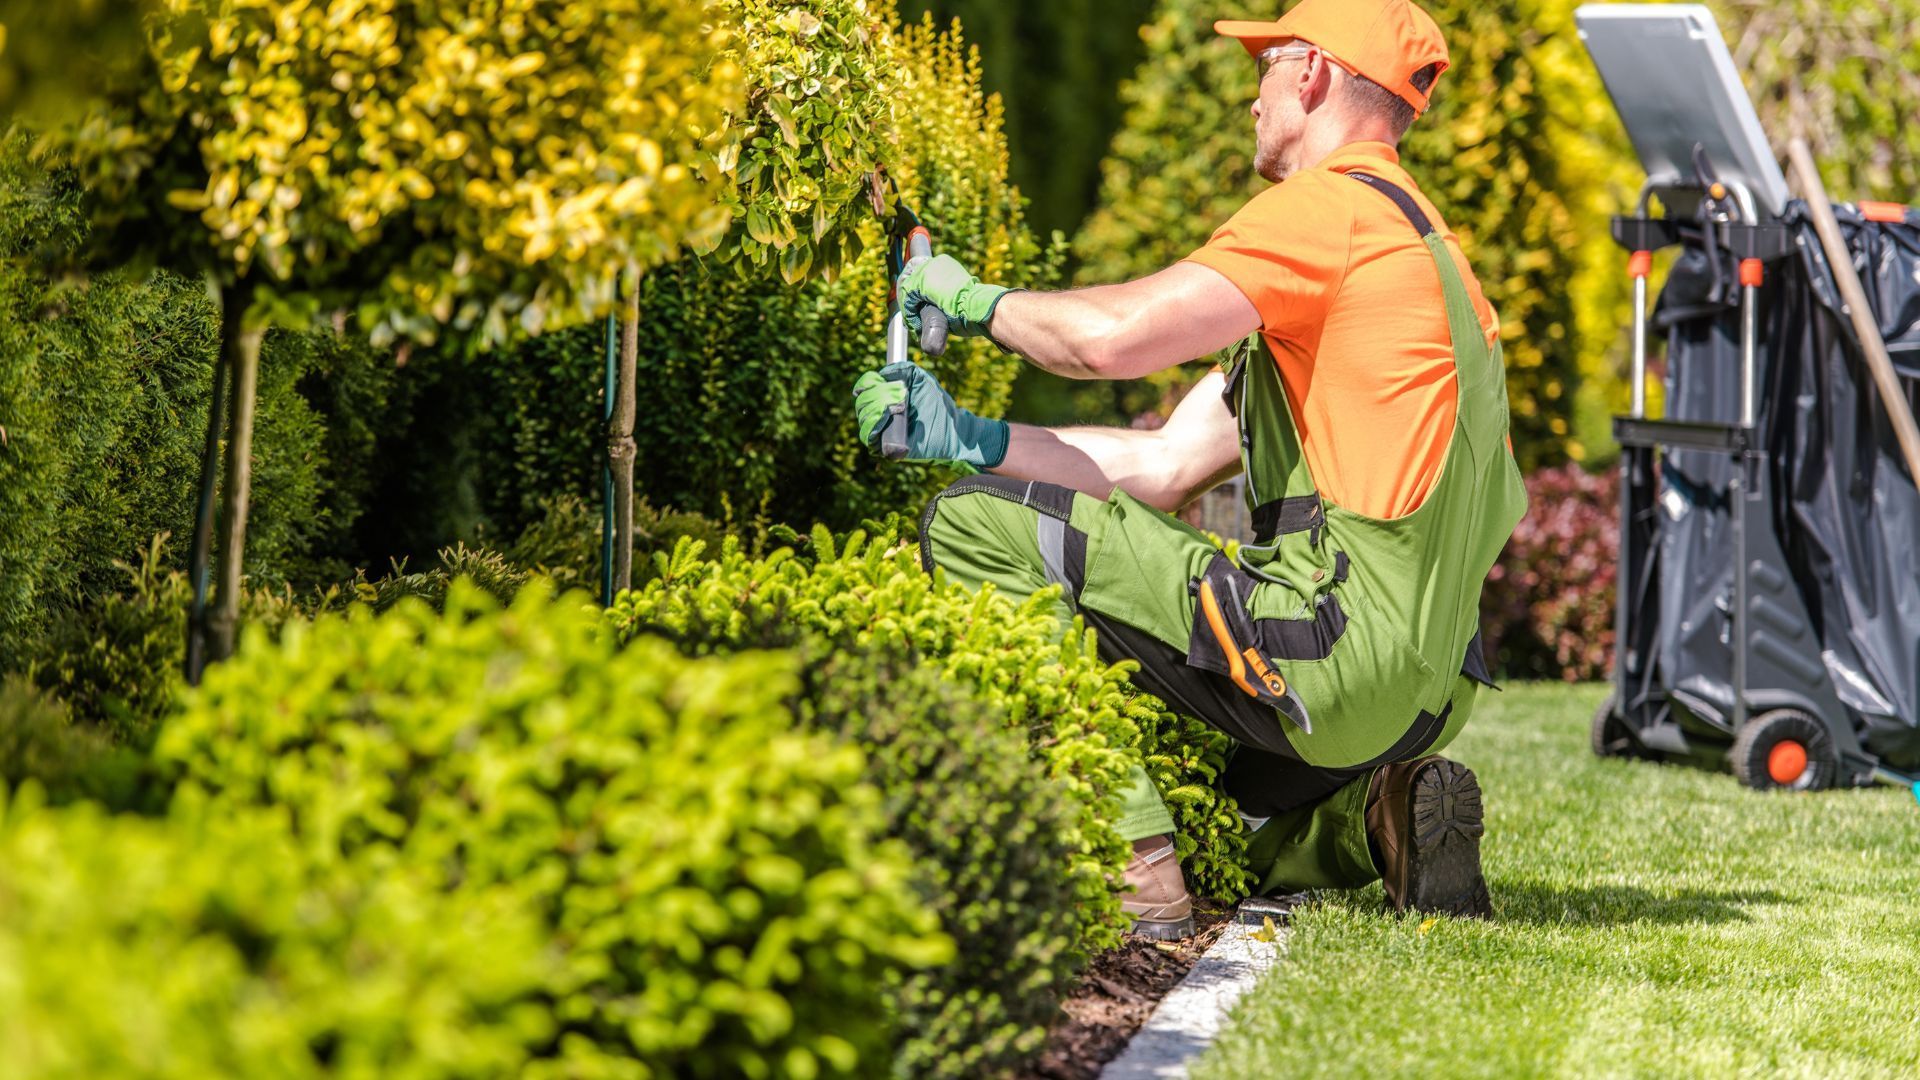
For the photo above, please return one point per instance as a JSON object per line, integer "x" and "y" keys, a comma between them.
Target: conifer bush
{"x": 204, "y": 945}
{"x": 711, "y": 878}
{"x": 1081, "y": 717}
{"x": 104, "y": 389}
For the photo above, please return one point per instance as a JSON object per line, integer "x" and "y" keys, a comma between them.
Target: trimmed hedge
{"x": 1080, "y": 715}
{"x": 205, "y": 946}
{"x": 992, "y": 838}
{"x": 712, "y": 878}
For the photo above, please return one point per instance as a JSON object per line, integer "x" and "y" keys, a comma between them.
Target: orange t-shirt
{"x": 1350, "y": 302}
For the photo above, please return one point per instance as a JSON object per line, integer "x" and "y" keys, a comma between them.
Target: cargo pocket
{"x": 1228, "y": 640}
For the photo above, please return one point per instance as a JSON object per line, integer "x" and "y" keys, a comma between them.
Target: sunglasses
{"x": 1269, "y": 57}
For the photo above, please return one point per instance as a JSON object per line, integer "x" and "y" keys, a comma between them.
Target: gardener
{"x": 1366, "y": 403}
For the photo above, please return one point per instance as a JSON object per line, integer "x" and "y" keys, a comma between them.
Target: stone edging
{"x": 1192, "y": 1014}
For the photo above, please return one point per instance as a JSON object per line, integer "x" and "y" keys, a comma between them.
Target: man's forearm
{"x": 1129, "y": 330}
{"x": 1065, "y": 333}
{"x": 1096, "y": 460}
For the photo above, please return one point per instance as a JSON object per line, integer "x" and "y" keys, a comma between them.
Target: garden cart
{"x": 1768, "y": 608}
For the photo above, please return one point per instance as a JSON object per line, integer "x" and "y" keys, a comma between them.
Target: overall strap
{"x": 1479, "y": 369}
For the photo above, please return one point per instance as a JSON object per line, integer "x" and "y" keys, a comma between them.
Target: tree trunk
{"x": 621, "y": 450}
{"x": 242, "y": 349}
{"x": 200, "y": 554}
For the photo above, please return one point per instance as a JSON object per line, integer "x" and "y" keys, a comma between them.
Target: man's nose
{"x": 1255, "y": 108}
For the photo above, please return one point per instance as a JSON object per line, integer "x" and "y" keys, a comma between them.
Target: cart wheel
{"x": 1784, "y": 749}
{"x": 1611, "y": 736}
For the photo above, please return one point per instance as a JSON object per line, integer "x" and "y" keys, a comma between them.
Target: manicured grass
{"x": 1649, "y": 921}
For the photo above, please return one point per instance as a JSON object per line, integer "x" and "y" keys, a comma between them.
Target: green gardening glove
{"x": 937, "y": 429}
{"x": 944, "y": 283}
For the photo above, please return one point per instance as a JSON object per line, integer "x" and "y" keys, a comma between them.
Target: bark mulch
{"x": 1116, "y": 994}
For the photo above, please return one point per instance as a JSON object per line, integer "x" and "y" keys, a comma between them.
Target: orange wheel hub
{"x": 1786, "y": 761}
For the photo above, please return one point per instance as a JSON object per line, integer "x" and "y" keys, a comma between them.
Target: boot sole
{"x": 1176, "y": 930}
{"x": 1444, "y": 861}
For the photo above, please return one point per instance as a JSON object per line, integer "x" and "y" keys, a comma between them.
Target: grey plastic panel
{"x": 1673, "y": 83}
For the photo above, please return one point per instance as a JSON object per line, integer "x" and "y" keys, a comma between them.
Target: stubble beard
{"x": 1267, "y": 161}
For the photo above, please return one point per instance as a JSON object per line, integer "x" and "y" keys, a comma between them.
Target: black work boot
{"x": 1156, "y": 893}
{"x": 1424, "y": 822}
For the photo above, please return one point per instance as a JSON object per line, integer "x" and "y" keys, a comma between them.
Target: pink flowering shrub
{"x": 1547, "y": 611}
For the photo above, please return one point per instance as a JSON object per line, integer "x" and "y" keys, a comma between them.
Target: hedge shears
{"x": 908, "y": 239}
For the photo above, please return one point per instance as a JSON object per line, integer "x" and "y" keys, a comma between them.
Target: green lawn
{"x": 1649, "y": 921}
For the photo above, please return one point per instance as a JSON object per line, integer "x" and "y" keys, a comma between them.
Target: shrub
{"x": 39, "y": 741}
{"x": 1845, "y": 75}
{"x": 986, "y": 827}
{"x": 993, "y": 842}
{"x": 203, "y": 946}
{"x": 116, "y": 657}
{"x": 1547, "y": 611}
{"x": 1080, "y": 716}
{"x": 711, "y": 878}
{"x": 745, "y": 409}
{"x": 103, "y": 399}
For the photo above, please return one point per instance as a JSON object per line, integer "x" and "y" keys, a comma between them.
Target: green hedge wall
{"x": 103, "y": 398}
{"x": 711, "y": 878}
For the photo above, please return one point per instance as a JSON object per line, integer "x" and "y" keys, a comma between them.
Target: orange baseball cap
{"x": 1382, "y": 40}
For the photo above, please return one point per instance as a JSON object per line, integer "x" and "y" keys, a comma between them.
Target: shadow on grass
{"x": 1540, "y": 904}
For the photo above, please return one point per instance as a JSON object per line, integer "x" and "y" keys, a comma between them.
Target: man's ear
{"x": 1316, "y": 81}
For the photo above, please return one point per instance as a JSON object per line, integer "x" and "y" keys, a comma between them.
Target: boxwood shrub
{"x": 985, "y": 823}
{"x": 202, "y": 945}
{"x": 712, "y": 877}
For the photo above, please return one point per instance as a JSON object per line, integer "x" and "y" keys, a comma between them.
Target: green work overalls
{"x": 1340, "y": 641}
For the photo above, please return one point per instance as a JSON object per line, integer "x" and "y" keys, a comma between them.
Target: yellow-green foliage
{"x": 1080, "y": 715}
{"x": 1843, "y": 74}
{"x": 204, "y": 945}
{"x": 1515, "y": 153}
{"x": 52, "y": 56}
{"x": 479, "y": 164}
{"x": 746, "y": 382}
{"x": 712, "y": 880}
{"x": 821, "y": 84}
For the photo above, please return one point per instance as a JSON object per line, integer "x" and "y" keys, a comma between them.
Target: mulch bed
{"x": 1116, "y": 994}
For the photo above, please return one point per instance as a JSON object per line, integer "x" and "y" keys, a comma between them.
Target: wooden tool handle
{"x": 1854, "y": 296}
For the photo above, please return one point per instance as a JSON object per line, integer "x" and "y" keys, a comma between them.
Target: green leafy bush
{"x": 1080, "y": 715}
{"x": 1843, "y": 74}
{"x": 993, "y": 842}
{"x": 990, "y": 835}
{"x": 820, "y": 90}
{"x": 203, "y": 945}
{"x": 115, "y": 657}
{"x": 745, "y": 381}
{"x": 712, "y": 879}
{"x": 39, "y": 741}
